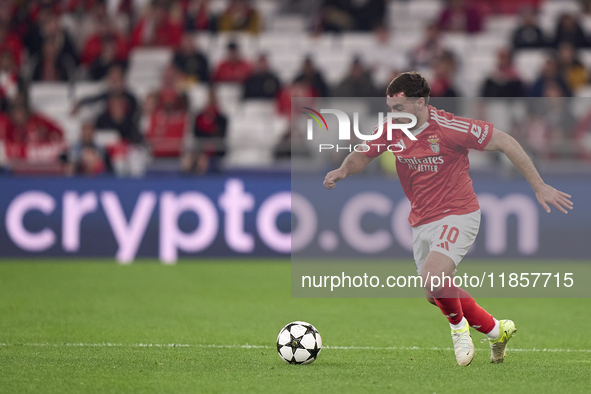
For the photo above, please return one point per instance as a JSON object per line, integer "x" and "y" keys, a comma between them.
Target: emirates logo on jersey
{"x": 434, "y": 141}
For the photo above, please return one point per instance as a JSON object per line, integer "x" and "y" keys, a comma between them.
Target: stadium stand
{"x": 287, "y": 38}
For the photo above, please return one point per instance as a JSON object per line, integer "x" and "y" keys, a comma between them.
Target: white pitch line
{"x": 247, "y": 346}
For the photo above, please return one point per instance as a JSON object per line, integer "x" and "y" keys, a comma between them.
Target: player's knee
{"x": 430, "y": 284}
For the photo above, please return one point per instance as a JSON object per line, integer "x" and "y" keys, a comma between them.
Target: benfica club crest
{"x": 434, "y": 141}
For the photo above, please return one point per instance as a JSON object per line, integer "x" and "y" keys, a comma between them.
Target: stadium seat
{"x": 146, "y": 65}
{"x": 229, "y": 95}
{"x": 286, "y": 65}
{"x": 279, "y": 125}
{"x": 424, "y": 10}
{"x": 150, "y": 59}
{"x": 85, "y": 89}
{"x": 288, "y": 23}
{"x": 456, "y": 42}
{"x": 71, "y": 127}
{"x": 261, "y": 109}
{"x": 502, "y": 25}
{"x": 197, "y": 95}
{"x": 585, "y": 57}
{"x": 203, "y": 40}
{"x": 530, "y": 63}
{"x": 357, "y": 42}
{"x": 141, "y": 89}
{"x": 585, "y": 91}
{"x": 486, "y": 42}
{"x": 267, "y": 10}
{"x": 105, "y": 138}
{"x": 249, "y": 142}
{"x": 335, "y": 64}
{"x": 272, "y": 42}
{"x": 44, "y": 95}
{"x": 555, "y": 8}
{"x": 319, "y": 44}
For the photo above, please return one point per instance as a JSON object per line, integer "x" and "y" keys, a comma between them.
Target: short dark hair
{"x": 412, "y": 84}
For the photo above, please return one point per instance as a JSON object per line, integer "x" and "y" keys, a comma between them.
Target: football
{"x": 299, "y": 343}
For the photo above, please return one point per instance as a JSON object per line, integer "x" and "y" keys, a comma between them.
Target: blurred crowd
{"x": 91, "y": 40}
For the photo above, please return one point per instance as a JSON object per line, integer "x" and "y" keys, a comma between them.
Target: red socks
{"x": 447, "y": 300}
{"x": 456, "y": 303}
{"x": 477, "y": 317}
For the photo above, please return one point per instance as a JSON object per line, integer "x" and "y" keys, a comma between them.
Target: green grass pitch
{"x": 77, "y": 326}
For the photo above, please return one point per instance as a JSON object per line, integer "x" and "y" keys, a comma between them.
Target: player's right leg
{"x": 498, "y": 345}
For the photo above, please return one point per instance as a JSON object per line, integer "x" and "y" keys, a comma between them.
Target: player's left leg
{"x": 477, "y": 316}
{"x": 436, "y": 268}
{"x": 497, "y": 332}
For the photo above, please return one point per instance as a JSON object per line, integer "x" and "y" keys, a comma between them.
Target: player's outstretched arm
{"x": 545, "y": 194}
{"x": 354, "y": 163}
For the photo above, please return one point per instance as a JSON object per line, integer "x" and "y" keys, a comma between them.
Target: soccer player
{"x": 445, "y": 215}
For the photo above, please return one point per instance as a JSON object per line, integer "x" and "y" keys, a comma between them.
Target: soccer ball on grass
{"x": 299, "y": 343}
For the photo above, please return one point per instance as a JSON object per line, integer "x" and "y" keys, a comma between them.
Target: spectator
{"x": 336, "y": 16}
{"x": 10, "y": 82}
{"x": 263, "y": 83}
{"x": 240, "y": 15}
{"x": 108, "y": 58}
{"x": 52, "y": 65}
{"x": 313, "y": 77}
{"x": 460, "y": 17}
{"x": 198, "y": 16}
{"x": 369, "y": 14}
{"x": 30, "y": 136}
{"x": 10, "y": 42}
{"x": 550, "y": 127}
{"x": 8, "y": 12}
{"x": 18, "y": 17}
{"x": 296, "y": 89}
{"x": 157, "y": 28}
{"x": 88, "y": 18}
{"x": 382, "y": 35}
{"x": 209, "y": 131}
{"x": 569, "y": 30}
{"x": 443, "y": 74}
{"x": 504, "y": 81}
{"x": 49, "y": 29}
{"x": 119, "y": 116}
{"x": 442, "y": 83}
{"x": 582, "y": 136}
{"x": 171, "y": 83}
{"x": 550, "y": 74}
{"x": 167, "y": 124}
{"x": 357, "y": 84}
{"x": 233, "y": 68}
{"x": 528, "y": 34}
{"x": 425, "y": 53}
{"x": 510, "y": 7}
{"x": 115, "y": 87}
{"x": 104, "y": 35}
{"x": 190, "y": 61}
{"x": 33, "y": 37}
{"x": 86, "y": 157}
{"x": 571, "y": 67}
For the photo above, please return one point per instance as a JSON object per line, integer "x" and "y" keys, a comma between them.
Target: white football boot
{"x": 463, "y": 346}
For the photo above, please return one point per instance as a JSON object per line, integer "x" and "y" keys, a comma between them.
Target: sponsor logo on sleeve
{"x": 484, "y": 134}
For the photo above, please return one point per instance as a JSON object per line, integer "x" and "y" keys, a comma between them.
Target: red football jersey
{"x": 433, "y": 170}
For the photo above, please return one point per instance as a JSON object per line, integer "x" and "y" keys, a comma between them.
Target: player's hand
{"x": 548, "y": 195}
{"x": 333, "y": 177}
